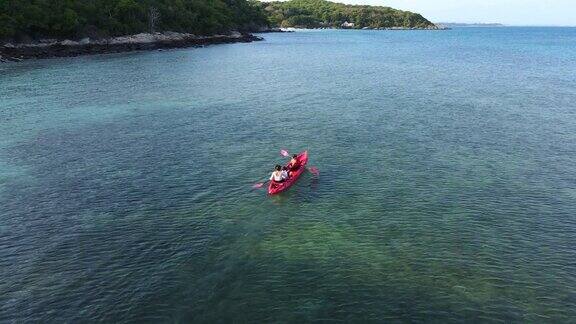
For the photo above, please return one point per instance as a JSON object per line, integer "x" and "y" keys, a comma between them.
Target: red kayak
{"x": 276, "y": 188}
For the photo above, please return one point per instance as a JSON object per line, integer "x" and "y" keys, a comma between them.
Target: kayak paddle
{"x": 259, "y": 185}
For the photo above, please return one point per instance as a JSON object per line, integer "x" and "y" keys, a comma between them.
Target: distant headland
{"x": 326, "y": 14}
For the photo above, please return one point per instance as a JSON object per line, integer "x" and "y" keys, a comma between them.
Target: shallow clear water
{"x": 447, "y": 188}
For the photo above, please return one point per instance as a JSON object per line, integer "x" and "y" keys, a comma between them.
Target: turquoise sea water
{"x": 447, "y": 190}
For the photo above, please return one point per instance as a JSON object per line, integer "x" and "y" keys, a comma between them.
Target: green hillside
{"x": 22, "y": 20}
{"x": 321, "y": 13}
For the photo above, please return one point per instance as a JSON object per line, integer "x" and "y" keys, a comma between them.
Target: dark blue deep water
{"x": 447, "y": 190}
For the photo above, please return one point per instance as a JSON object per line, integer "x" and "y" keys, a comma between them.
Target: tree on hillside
{"x": 153, "y": 16}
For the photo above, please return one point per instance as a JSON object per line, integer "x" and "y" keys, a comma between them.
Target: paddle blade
{"x": 314, "y": 171}
{"x": 284, "y": 153}
{"x": 258, "y": 185}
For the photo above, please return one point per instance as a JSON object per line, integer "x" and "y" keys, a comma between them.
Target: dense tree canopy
{"x": 321, "y": 13}
{"x": 33, "y": 19}
{"x": 78, "y": 18}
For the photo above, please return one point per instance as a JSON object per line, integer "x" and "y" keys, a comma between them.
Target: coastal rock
{"x": 68, "y": 43}
{"x": 6, "y": 59}
{"x": 144, "y": 41}
{"x": 235, "y": 34}
{"x": 274, "y": 30}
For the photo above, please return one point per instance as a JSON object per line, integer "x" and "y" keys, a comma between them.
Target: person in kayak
{"x": 294, "y": 164}
{"x": 277, "y": 174}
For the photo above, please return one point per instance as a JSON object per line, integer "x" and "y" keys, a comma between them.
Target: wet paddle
{"x": 259, "y": 185}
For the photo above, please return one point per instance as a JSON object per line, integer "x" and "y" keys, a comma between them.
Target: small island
{"x": 63, "y": 28}
{"x": 326, "y": 14}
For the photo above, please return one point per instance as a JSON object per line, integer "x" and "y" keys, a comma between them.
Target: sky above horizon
{"x": 509, "y": 12}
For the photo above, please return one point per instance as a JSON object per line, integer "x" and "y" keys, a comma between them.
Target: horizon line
{"x": 506, "y": 25}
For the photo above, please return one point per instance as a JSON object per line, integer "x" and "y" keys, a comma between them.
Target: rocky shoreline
{"x": 51, "y": 48}
{"x": 68, "y": 48}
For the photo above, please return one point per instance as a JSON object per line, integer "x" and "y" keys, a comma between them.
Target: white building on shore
{"x": 347, "y": 25}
